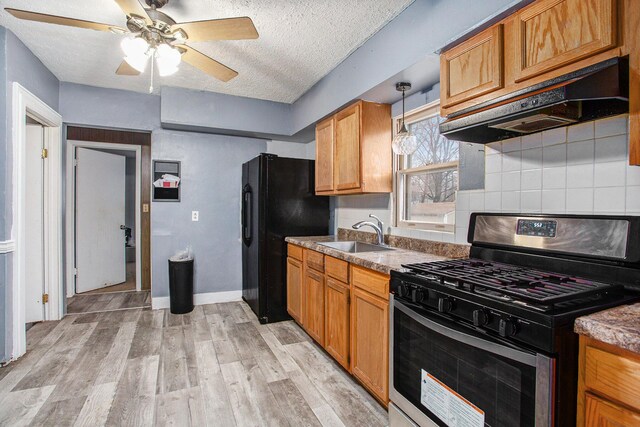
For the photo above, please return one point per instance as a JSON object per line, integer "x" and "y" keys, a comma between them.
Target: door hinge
{"x": 45, "y": 153}
{"x": 45, "y": 298}
{"x": 75, "y": 272}
{"x": 75, "y": 162}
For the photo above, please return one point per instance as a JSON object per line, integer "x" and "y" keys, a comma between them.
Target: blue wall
{"x": 211, "y": 169}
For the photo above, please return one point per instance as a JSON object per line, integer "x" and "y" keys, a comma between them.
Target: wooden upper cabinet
{"x": 472, "y": 68}
{"x": 554, "y": 33}
{"x": 324, "y": 155}
{"x": 353, "y": 150}
{"x": 347, "y": 155}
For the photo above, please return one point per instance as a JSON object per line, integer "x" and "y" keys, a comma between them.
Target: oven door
{"x": 446, "y": 374}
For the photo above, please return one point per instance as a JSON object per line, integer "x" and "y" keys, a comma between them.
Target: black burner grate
{"x": 519, "y": 283}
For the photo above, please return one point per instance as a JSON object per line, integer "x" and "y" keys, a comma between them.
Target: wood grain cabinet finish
{"x": 608, "y": 385}
{"x": 336, "y": 330}
{"x": 600, "y": 413}
{"x": 353, "y": 150}
{"x": 553, "y": 33}
{"x": 472, "y": 68}
{"x": 313, "y": 321}
{"x": 325, "y": 141}
{"x": 294, "y": 288}
{"x": 370, "y": 342}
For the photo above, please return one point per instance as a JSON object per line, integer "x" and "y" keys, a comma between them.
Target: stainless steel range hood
{"x": 597, "y": 91}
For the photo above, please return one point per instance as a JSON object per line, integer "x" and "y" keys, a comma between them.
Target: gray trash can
{"x": 181, "y": 285}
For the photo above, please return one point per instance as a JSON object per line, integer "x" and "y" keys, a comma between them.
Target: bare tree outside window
{"x": 429, "y": 177}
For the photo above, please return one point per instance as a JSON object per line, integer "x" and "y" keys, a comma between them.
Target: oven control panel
{"x": 537, "y": 228}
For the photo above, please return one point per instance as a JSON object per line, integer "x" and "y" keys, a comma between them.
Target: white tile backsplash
{"x": 554, "y": 136}
{"x": 610, "y": 174}
{"x": 578, "y": 169}
{"x": 609, "y": 200}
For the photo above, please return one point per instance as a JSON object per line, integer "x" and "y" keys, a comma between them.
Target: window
{"x": 427, "y": 180}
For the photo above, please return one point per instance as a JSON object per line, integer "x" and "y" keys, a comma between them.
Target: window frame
{"x": 400, "y": 171}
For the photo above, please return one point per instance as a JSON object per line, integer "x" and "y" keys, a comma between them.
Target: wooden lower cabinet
{"x": 608, "y": 385}
{"x": 336, "y": 316}
{"x": 600, "y": 413}
{"x": 294, "y": 288}
{"x": 313, "y": 321}
{"x": 350, "y": 320}
{"x": 370, "y": 342}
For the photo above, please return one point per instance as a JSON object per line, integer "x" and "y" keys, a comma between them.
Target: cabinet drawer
{"x": 552, "y": 33}
{"x": 602, "y": 413}
{"x": 313, "y": 259}
{"x": 294, "y": 251}
{"x": 337, "y": 268}
{"x": 473, "y": 68}
{"x": 370, "y": 281}
{"x": 613, "y": 376}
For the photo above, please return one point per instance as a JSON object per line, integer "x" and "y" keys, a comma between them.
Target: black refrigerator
{"x": 278, "y": 200}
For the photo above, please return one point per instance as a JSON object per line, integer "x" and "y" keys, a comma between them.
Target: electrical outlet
{"x": 195, "y": 215}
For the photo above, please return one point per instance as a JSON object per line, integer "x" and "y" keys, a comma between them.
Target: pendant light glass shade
{"x": 404, "y": 143}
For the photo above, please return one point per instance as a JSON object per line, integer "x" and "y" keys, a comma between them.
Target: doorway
{"x": 107, "y": 220}
{"x": 36, "y": 288}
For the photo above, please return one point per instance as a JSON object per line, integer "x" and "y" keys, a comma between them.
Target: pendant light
{"x": 404, "y": 143}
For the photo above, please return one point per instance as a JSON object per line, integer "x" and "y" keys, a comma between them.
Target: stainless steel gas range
{"x": 489, "y": 341}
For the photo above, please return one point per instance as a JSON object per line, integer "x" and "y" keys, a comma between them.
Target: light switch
{"x": 195, "y": 215}
{"x": 145, "y": 207}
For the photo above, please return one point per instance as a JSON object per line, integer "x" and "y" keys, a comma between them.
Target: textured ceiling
{"x": 300, "y": 42}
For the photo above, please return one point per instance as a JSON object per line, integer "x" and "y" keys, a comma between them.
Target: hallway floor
{"x": 91, "y": 303}
{"x": 216, "y": 366}
{"x": 128, "y": 285}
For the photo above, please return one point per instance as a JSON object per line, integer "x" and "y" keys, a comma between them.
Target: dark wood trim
{"x": 143, "y": 139}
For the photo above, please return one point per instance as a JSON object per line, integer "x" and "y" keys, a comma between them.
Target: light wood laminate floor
{"x": 91, "y": 303}
{"x": 216, "y": 366}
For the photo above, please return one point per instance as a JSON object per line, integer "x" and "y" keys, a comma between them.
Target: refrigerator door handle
{"x": 247, "y": 219}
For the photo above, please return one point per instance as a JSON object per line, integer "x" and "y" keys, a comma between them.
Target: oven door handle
{"x": 492, "y": 347}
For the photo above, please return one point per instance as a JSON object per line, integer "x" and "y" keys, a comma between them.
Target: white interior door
{"x": 100, "y": 211}
{"x": 34, "y": 223}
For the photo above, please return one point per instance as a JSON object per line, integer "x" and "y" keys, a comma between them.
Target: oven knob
{"x": 418, "y": 295}
{"x": 480, "y": 317}
{"x": 445, "y": 305}
{"x": 403, "y": 290}
{"x": 507, "y": 327}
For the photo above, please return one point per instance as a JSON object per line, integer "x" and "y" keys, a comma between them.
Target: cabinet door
{"x": 336, "y": 328}
{"x": 370, "y": 342}
{"x": 324, "y": 155}
{"x": 600, "y": 413}
{"x": 314, "y": 305}
{"x": 294, "y": 289}
{"x": 347, "y": 157}
{"x": 554, "y": 33}
{"x": 472, "y": 68}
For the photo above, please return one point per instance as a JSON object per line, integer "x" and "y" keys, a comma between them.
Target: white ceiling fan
{"x": 152, "y": 34}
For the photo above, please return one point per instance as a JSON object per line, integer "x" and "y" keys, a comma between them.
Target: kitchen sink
{"x": 355, "y": 247}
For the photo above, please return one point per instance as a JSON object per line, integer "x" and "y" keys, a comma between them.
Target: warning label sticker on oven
{"x": 453, "y": 409}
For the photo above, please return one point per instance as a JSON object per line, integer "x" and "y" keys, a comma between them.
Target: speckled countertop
{"x": 619, "y": 326}
{"x": 383, "y": 261}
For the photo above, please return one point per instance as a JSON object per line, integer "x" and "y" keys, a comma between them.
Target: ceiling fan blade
{"x": 132, "y": 7}
{"x": 206, "y": 64}
{"x": 127, "y": 70}
{"x": 219, "y": 29}
{"x": 60, "y": 20}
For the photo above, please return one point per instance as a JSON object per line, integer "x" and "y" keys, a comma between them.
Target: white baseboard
{"x": 158, "y": 303}
{"x": 7, "y": 246}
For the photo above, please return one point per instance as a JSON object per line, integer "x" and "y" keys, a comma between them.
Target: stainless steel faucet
{"x": 378, "y": 227}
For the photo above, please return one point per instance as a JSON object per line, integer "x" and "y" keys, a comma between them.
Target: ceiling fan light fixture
{"x": 136, "y": 52}
{"x": 167, "y": 59}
